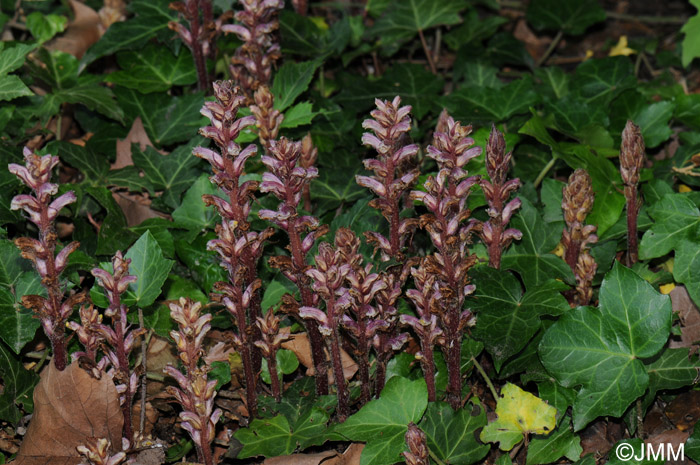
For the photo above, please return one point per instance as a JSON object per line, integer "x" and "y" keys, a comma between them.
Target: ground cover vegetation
{"x": 431, "y": 232}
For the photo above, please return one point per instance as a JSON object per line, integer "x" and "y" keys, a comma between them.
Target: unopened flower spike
{"x": 631, "y": 163}
{"x": 196, "y": 392}
{"x": 97, "y": 452}
{"x": 54, "y": 310}
{"x": 272, "y": 338}
{"x": 417, "y": 443}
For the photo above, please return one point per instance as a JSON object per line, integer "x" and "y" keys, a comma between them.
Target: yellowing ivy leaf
{"x": 518, "y": 412}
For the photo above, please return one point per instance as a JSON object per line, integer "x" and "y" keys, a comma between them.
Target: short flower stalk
{"x": 272, "y": 338}
{"x": 195, "y": 392}
{"x": 631, "y": 162}
{"x": 54, "y": 310}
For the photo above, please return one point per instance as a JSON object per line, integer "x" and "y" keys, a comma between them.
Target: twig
{"x": 427, "y": 51}
{"x": 640, "y": 419}
{"x": 144, "y": 352}
{"x": 543, "y": 59}
{"x": 647, "y": 19}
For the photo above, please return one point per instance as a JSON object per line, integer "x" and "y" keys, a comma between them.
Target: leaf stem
{"x": 550, "y": 49}
{"x": 544, "y": 171}
{"x": 428, "y": 52}
{"x": 434, "y": 457}
{"x": 483, "y": 374}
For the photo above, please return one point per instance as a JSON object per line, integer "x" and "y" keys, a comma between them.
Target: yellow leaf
{"x": 667, "y": 288}
{"x": 319, "y": 22}
{"x": 519, "y": 413}
{"x": 559, "y": 250}
{"x": 621, "y": 48}
{"x": 682, "y": 188}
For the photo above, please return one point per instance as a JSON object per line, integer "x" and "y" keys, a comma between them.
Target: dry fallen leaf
{"x": 137, "y": 135}
{"x": 81, "y": 33}
{"x": 689, "y": 316}
{"x": 70, "y": 406}
{"x": 301, "y": 459}
{"x": 299, "y": 344}
{"x": 351, "y": 456}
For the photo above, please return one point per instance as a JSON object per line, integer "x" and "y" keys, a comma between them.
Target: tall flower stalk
{"x": 445, "y": 197}
{"x": 577, "y": 202}
{"x": 631, "y": 162}
{"x": 388, "y": 339}
{"x": 239, "y": 248}
{"x": 328, "y": 279}
{"x": 286, "y": 180}
{"x": 272, "y": 338}
{"x": 390, "y": 126}
{"x": 119, "y": 336}
{"x": 497, "y": 191}
{"x": 251, "y": 66}
{"x": 54, "y": 310}
{"x": 196, "y": 392}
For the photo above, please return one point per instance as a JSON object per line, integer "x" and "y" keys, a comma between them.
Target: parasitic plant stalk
{"x": 445, "y": 197}
{"x": 251, "y": 66}
{"x": 497, "y": 192}
{"x": 54, "y": 310}
{"x": 417, "y": 443}
{"x": 390, "y": 124}
{"x": 286, "y": 180}
{"x": 268, "y": 120}
{"x": 196, "y": 392}
{"x": 238, "y": 247}
{"x": 388, "y": 339}
{"x": 631, "y": 162}
{"x": 577, "y": 202}
{"x": 362, "y": 321}
{"x": 272, "y": 338}
{"x": 120, "y": 339}
{"x": 328, "y": 279}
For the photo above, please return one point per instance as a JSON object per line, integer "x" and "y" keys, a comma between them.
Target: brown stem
{"x": 363, "y": 364}
{"x": 454, "y": 355}
{"x": 58, "y": 346}
{"x": 428, "y": 52}
{"x": 632, "y": 212}
{"x": 200, "y": 60}
{"x": 428, "y": 364}
{"x": 274, "y": 377}
{"x": 334, "y": 343}
{"x": 124, "y": 372}
{"x": 380, "y": 374}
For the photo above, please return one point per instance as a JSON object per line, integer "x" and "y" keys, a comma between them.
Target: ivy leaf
{"x": 451, "y": 435}
{"x": 562, "y": 442}
{"x": 273, "y": 294}
{"x": 291, "y": 81}
{"x": 336, "y": 184}
{"x": 673, "y": 369}
{"x": 382, "y": 423}
{"x": 166, "y": 119}
{"x": 600, "y": 349}
{"x": 519, "y": 413}
{"x": 403, "y": 19}
{"x": 12, "y": 87}
{"x": 192, "y": 212}
{"x": 202, "y": 263}
{"x": 686, "y": 267}
{"x": 691, "y": 41}
{"x": 17, "y": 324}
{"x": 692, "y": 445}
{"x": 653, "y": 121}
{"x": 150, "y": 20}
{"x": 154, "y": 69}
{"x": 473, "y": 29}
{"x": 171, "y": 173}
{"x": 599, "y": 81}
{"x": 12, "y": 265}
{"x": 43, "y": 26}
{"x": 532, "y": 257}
{"x": 151, "y": 269}
{"x": 11, "y": 58}
{"x": 300, "y": 114}
{"x": 92, "y": 166}
{"x": 89, "y": 93}
{"x": 485, "y": 103}
{"x": 18, "y": 386}
{"x": 506, "y": 318}
{"x": 675, "y": 218}
{"x": 570, "y": 16}
{"x": 287, "y": 363}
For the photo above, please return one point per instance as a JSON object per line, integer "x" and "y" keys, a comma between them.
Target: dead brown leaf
{"x": 300, "y": 459}
{"x": 70, "y": 406}
{"x": 684, "y": 410}
{"x": 673, "y": 437}
{"x": 81, "y": 33}
{"x": 689, "y": 316}
{"x": 160, "y": 353}
{"x": 299, "y": 344}
{"x": 351, "y": 456}
{"x": 137, "y": 135}
{"x": 136, "y": 207}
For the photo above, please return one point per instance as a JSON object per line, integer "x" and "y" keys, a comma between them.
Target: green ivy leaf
{"x": 562, "y": 442}
{"x": 287, "y": 363}
{"x": 18, "y": 324}
{"x": 11, "y": 58}
{"x": 673, "y": 369}
{"x": 202, "y": 263}
{"x": 653, "y": 120}
{"x": 499, "y": 104}
{"x": 12, "y": 264}
{"x": 675, "y": 218}
{"x": 531, "y": 257}
{"x": 686, "y": 267}
{"x": 336, "y": 184}
{"x": 300, "y": 114}
{"x": 273, "y": 294}
{"x": 151, "y": 269}
{"x": 451, "y": 435}
{"x": 18, "y": 386}
{"x": 43, "y": 26}
{"x": 91, "y": 165}
{"x": 473, "y": 29}
{"x": 519, "y": 413}
{"x": 383, "y": 422}
{"x": 692, "y": 445}
{"x": 291, "y": 81}
{"x": 150, "y": 20}
{"x": 402, "y": 20}
{"x": 600, "y": 349}
{"x": 171, "y": 173}
{"x": 599, "y": 81}
{"x": 691, "y": 41}
{"x": 154, "y": 68}
{"x": 192, "y": 212}
{"x": 570, "y": 16}
{"x": 12, "y": 87}
{"x": 506, "y": 318}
